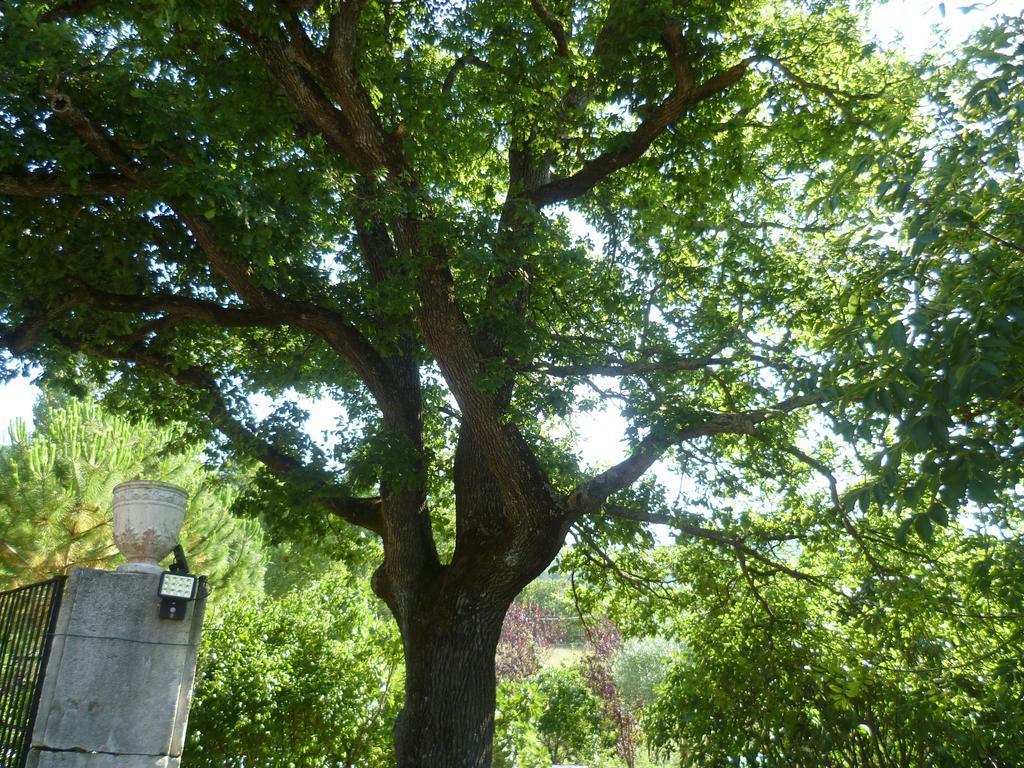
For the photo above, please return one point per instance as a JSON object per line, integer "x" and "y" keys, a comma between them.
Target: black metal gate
{"x": 28, "y": 616}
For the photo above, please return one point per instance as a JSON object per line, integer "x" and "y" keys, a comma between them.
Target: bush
{"x": 307, "y": 680}
{"x": 571, "y": 723}
{"x": 640, "y": 667}
{"x": 517, "y": 741}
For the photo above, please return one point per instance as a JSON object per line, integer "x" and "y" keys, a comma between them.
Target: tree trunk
{"x": 447, "y": 720}
{"x": 450, "y": 615}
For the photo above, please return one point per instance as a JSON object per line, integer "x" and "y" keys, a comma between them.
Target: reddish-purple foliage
{"x": 528, "y": 630}
{"x": 604, "y": 641}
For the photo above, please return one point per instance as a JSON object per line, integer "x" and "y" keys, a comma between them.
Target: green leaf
{"x": 903, "y": 530}
{"x": 919, "y": 433}
{"x": 923, "y": 526}
{"x": 938, "y": 513}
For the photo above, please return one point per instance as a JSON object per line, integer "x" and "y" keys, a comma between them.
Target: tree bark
{"x": 447, "y": 719}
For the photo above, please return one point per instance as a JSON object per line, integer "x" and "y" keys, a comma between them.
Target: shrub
{"x": 640, "y": 667}
{"x": 517, "y": 740}
{"x": 571, "y": 722}
{"x": 307, "y": 680}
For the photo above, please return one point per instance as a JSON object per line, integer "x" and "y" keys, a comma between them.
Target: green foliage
{"x": 311, "y": 679}
{"x": 571, "y": 722}
{"x": 292, "y": 565}
{"x": 639, "y": 667}
{"x": 931, "y": 356}
{"x": 917, "y": 659}
{"x": 55, "y": 498}
{"x": 550, "y": 717}
{"x": 892, "y": 646}
{"x": 517, "y": 740}
{"x": 678, "y": 274}
{"x": 805, "y": 290}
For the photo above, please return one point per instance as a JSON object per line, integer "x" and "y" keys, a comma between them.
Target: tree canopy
{"x": 472, "y": 224}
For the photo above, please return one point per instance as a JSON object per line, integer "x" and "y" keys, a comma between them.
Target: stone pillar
{"x": 119, "y": 680}
{"x": 118, "y": 683}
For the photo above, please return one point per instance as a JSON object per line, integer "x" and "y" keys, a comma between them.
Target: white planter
{"x": 147, "y": 521}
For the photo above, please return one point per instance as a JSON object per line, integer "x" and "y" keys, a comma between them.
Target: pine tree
{"x": 55, "y": 497}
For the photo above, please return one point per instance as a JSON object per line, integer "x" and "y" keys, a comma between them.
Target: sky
{"x": 916, "y": 25}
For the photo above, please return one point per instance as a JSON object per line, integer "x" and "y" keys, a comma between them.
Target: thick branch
{"x": 96, "y": 139}
{"x": 342, "y": 42}
{"x": 307, "y": 97}
{"x": 103, "y": 145}
{"x": 22, "y": 337}
{"x": 341, "y": 335}
{"x": 557, "y": 29}
{"x": 524, "y": 486}
{"x": 302, "y": 49}
{"x": 184, "y": 307}
{"x": 592, "y": 493}
{"x": 678, "y": 55}
{"x": 234, "y": 273}
{"x": 633, "y": 144}
{"x": 735, "y": 543}
{"x": 465, "y": 60}
{"x": 45, "y": 185}
{"x": 364, "y": 512}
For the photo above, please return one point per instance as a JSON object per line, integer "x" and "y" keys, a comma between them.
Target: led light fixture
{"x": 179, "y": 586}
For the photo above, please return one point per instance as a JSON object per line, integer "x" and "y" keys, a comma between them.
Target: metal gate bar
{"x": 28, "y": 616}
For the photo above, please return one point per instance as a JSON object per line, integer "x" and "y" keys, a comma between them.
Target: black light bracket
{"x": 180, "y": 564}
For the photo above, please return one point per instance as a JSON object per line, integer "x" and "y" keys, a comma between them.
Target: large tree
{"x": 466, "y": 222}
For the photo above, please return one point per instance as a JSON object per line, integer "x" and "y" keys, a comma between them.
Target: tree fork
{"x": 450, "y": 625}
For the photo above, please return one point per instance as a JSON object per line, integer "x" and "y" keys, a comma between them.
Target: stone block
{"x": 40, "y": 759}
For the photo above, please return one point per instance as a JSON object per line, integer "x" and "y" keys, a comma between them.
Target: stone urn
{"x": 147, "y": 521}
